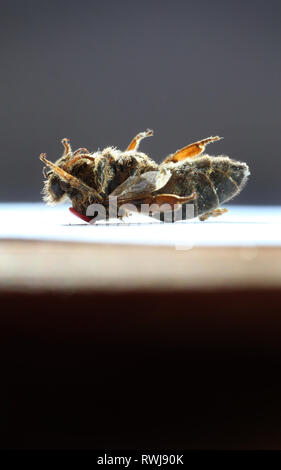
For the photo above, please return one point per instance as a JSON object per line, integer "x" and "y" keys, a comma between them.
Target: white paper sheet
{"x": 241, "y": 226}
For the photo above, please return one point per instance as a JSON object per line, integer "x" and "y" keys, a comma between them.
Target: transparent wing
{"x": 139, "y": 187}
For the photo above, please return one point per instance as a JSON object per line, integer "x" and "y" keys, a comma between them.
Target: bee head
{"x": 54, "y": 189}
{"x": 60, "y": 182}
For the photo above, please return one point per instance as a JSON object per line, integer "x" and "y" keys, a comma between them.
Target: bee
{"x": 188, "y": 175}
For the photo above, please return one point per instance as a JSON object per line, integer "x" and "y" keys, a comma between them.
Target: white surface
{"x": 241, "y": 226}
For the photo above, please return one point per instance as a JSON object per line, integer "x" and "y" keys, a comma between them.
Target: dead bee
{"x": 187, "y": 175}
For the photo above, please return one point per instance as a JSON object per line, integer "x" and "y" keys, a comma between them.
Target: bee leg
{"x": 67, "y": 147}
{"x": 134, "y": 145}
{"x": 72, "y": 161}
{"x": 171, "y": 200}
{"x": 191, "y": 150}
{"x": 82, "y": 149}
{"x": 70, "y": 179}
{"x": 214, "y": 213}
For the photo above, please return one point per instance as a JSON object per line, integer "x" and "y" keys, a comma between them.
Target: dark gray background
{"x": 98, "y": 72}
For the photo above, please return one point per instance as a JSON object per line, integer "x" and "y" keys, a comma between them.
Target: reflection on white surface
{"x": 242, "y": 225}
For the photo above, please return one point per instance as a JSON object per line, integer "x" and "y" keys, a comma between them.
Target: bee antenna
{"x": 67, "y": 147}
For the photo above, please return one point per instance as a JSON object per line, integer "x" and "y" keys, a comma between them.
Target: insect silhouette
{"x": 184, "y": 177}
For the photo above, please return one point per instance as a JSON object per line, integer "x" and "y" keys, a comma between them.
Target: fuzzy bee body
{"x": 215, "y": 180}
{"x": 133, "y": 177}
{"x": 108, "y": 169}
{"x": 112, "y": 167}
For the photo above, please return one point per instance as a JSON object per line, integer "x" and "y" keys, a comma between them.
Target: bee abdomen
{"x": 219, "y": 183}
{"x": 228, "y": 177}
{"x": 214, "y": 179}
{"x": 207, "y": 197}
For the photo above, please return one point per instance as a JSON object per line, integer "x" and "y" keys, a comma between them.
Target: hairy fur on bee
{"x": 86, "y": 178}
{"x": 215, "y": 180}
{"x": 108, "y": 169}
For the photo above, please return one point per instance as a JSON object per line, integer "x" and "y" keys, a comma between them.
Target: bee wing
{"x": 139, "y": 187}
